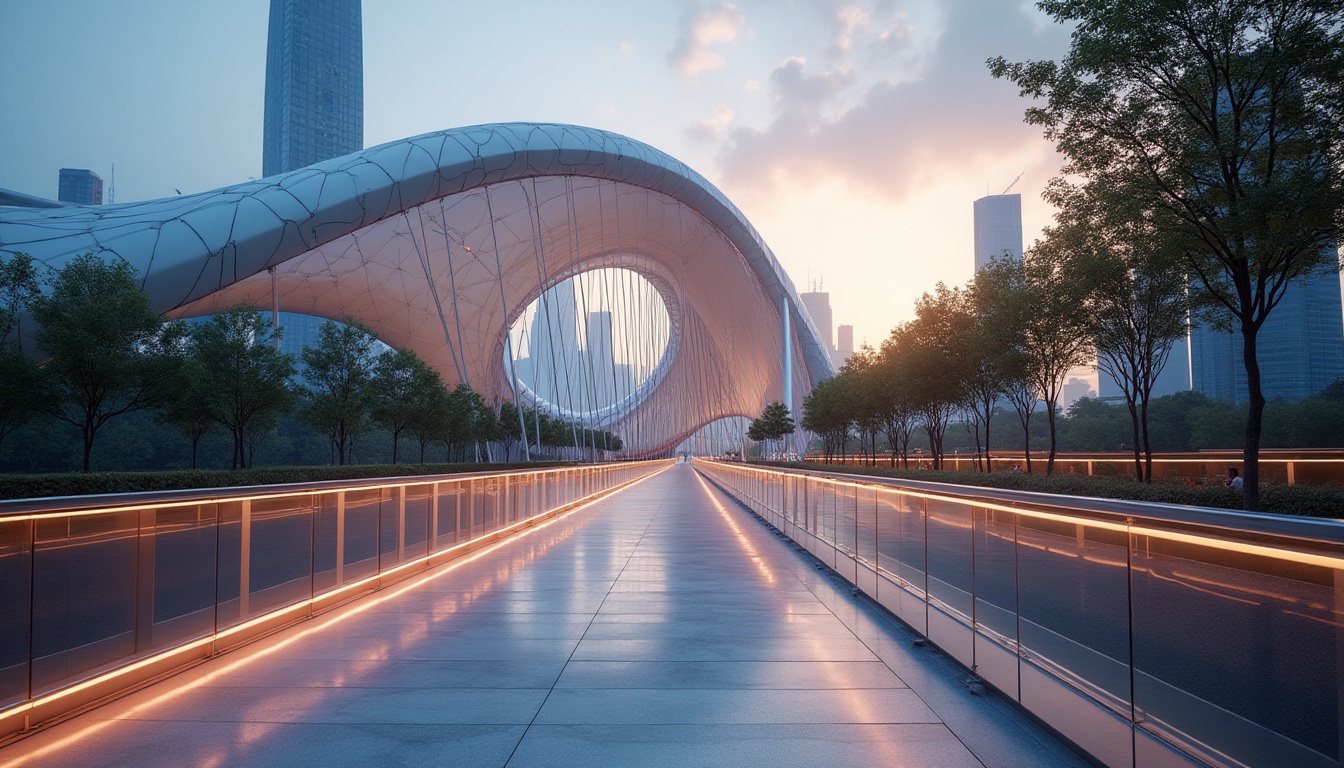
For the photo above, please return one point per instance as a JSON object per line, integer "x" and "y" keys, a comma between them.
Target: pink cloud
{"x": 892, "y": 136}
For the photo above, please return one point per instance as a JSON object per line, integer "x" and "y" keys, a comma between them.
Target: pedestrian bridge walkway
{"x": 662, "y": 625}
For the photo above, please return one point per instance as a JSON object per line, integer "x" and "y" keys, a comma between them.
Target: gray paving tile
{"x": 742, "y": 746}
{"x": 279, "y": 745}
{"x": 731, "y": 675}
{"x": 694, "y": 706}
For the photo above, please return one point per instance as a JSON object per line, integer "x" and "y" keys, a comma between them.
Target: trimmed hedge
{"x": 80, "y": 484}
{"x": 1306, "y": 500}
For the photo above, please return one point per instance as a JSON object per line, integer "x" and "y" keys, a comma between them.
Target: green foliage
{"x": 406, "y": 395}
{"x": 109, "y": 354}
{"x": 23, "y": 394}
{"x": 248, "y": 377}
{"x": 338, "y": 394}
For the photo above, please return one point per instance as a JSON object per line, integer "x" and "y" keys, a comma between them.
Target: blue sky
{"x": 854, "y": 134}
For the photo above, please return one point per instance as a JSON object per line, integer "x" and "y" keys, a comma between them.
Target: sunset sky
{"x": 854, "y": 135}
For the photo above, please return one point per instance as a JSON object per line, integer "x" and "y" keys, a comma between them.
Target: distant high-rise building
{"x": 1300, "y": 347}
{"x": 844, "y": 345}
{"x": 80, "y": 186}
{"x": 1174, "y": 377}
{"x": 998, "y": 228}
{"x": 552, "y": 345}
{"x": 1074, "y": 389}
{"x": 599, "y": 363}
{"x": 818, "y": 306}
{"x": 314, "y": 83}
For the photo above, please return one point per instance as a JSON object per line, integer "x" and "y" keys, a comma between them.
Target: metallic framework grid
{"x": 440, "y": 242}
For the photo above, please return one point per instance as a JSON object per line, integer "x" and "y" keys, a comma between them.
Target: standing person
{"x": 1233, "y": 480}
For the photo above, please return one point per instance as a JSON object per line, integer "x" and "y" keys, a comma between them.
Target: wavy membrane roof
{"x": 441, "y": 241}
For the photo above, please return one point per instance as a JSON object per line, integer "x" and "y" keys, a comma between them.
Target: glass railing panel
{"x": 16, "y": 572}
{"x": 1073, "y": 600}
{"x": 950, "y": 557}
{"x": 418, "y": 503}
{"x": 867, "y": 525}
{"x": 1238, "y": 650}
{"x": 326, "y": 529}
{"x": 451, "y": 496}
{"x": 84, "y": 595}
{"x": 389, "y": 528}
{"x": 228, "y": 580}
{"x": 361, "y": 534}
{"x": 996, "y": 575}
{"x": 846, "y": 508}
{"x": 184, "y": 549}
{"x": 825, "y": 510}
{"x": 282, "y": 552}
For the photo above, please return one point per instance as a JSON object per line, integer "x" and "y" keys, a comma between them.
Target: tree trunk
{"x": 1250, "y": 454}
{"x": 1147, "y": 447}
{"x": 88, "y": 444}
{"x": 1026, "y": 436}
{"x": 195, "y": 442}
{"x": 1050, "y": 461}
{"x": 1134, "y": 424}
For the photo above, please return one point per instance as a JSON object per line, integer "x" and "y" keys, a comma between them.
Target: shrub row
{"x": 80, "y": 484}
{"x": 1306, "y": 500}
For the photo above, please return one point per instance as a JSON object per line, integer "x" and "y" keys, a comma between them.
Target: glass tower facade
{"x": 1301, "y": 347}
{"x": 314, "y": 83}
{"x": 80, "y": 186}
{"x": 998, "y": 228}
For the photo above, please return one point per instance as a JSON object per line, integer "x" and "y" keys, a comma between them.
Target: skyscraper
{"x": 314, "y": 83}
{"x": 1300, "y": 347}
{"x": 844, "y": 345}
{"x": 599, "y": 362}
{"x": 818, "y": 307}
{"x": 998, "y": 228}
{"x": 80, "y": 186}
{"x": 553, "y": 344}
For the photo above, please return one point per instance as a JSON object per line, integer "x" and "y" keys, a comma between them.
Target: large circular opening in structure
{"x": 591, "y": 347}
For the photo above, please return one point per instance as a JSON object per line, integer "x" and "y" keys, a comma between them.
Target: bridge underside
{"x": 439, "y": 243}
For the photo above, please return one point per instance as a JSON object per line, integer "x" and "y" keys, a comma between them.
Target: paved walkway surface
{"x": 663, "y": 626}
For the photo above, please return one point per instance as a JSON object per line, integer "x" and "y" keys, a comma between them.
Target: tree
{"x": 109, "y": 356}
{"x": 827, "y": 412}
{"x": 508, "y": 427}
{"x": 403, "y": 392}
{"x": 188, "y": 409}
{"x": 338, "y": 372}
{"x": 22, "y": 391}
{"x": 248, "y": 378}
{"x": 1139, "y": 302}
{"x": 433, "y": 424}
{"x": 936, "y": 370}
{"x": 1227, "y": 117}
{"x": 1056, "y": 325}
{"x": 773, "y": 423}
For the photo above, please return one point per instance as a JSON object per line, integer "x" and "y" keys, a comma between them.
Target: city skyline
{"x": 842, "y": 130}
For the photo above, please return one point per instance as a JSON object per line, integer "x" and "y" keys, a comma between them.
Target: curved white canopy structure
{"x": 440, "y": 242}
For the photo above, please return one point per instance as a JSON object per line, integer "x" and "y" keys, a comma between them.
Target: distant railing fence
{"x": 1323, "y": 467}
{"x": 1148, "y": 635}
{"x": 101, "y": 592}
